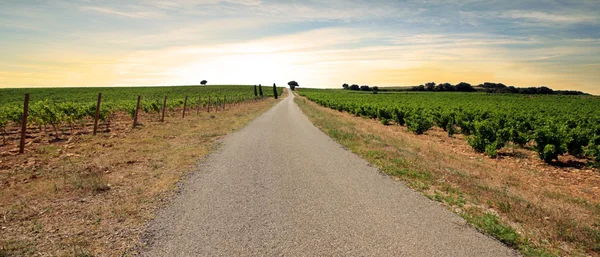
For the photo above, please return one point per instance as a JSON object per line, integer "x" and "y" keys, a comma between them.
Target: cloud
{"x": 129, "y": 14}
{"x": 545, "y": 17}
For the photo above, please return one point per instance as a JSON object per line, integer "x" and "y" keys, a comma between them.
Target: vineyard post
{"x": 24, "y": 124}
{"x": 208, "y": 104}
{"x": 97, "y": 113}
{"x": 137, "y": 108}
{"x": 184, "y": 106}
{"x": 164, "y": 107}
{"x": 199, "y": 105}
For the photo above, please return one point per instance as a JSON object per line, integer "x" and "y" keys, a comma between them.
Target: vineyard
{"x": 58, "y": 112}
{"x": 552, "y": 126}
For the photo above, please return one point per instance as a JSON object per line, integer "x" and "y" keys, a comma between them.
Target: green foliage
{"x": 490, "y": 224}
{"x": 577, "y": 139}
{"x": 556, "y": 124}
{"x": 450, "y": 128}
{"x": 592, "y": 151}
{"x": 442, "y": 118}
{"x": 487, "y": 136}
{"x": 57, "y": 106}
{"x": 550, "y": 142}
{"x": 418, "y": 122}
{"x": 385, "y": 121}
{"x": 398, "y": 115}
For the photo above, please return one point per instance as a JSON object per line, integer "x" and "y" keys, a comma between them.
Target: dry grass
{"x": 542, "y": 210}
{"x": 93, "y": 195}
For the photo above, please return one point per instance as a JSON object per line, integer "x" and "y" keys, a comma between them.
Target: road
{"x": 280, "y": 186}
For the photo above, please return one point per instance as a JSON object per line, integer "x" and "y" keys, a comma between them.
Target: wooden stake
{"x": 137, "y": 109}
{"x": 164, "y": 107}
{"x": 24, "y": 124}
{"x": 97, "y": 113}
{"x": 199, "y": 105}
{"x": 208, "y": 105}
{"x": 184, "y": 106}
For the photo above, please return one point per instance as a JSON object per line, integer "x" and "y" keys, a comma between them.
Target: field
{"x": 520, "y": 168}
{"x": 85, "y": 195}
{"x": 552, "y": 125}
{"x": 66, "y": 111}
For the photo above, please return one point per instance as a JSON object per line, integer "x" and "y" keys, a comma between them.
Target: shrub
{"x": 398, "y": 115}
{"x": 488, "y": 137}
{"x": 491, "y": 150}
{"x": 465, "y": 121}
{"x": 383, "y": 113}
{"x": 577, "y": 139}
{"x": 550, "y": 142}
{"x": 442, "y": 118}
{"x": 592, "y": 151}
{"x": 418, "y": 122}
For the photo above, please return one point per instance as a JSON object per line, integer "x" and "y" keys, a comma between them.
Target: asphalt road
{"x": 280, "y": 187}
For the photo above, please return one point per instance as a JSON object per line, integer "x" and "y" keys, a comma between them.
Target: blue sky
{"x": 317, "y": 43}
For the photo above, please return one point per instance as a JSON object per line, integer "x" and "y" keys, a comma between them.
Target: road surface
{"x": 280, "y": 186}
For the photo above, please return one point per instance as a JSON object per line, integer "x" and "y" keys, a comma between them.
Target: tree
{"x": 430, "y": 86}
{"x": 260, "y": 90}
{"x": 365, "y": 88}
{"x": 448, "y": 87}
{"x": 345, "y": 86}
{"x": 293, "y": 84}
{"x": 545, "y": 90}
{"x": 354, "y": 87}
{"x": 464, "y": 87}
{"x": 375, "y": 89}
{"x": 275, "y": 91}
{"x": 255, "y": 92}
{"x": 203, "y": 82}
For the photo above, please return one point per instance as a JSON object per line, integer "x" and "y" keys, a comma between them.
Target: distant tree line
{"x": 501, "y": 88}
{"x": 356, "y": 87}
{"x": 490, "y": 87}
{"x": 431, "y": 86}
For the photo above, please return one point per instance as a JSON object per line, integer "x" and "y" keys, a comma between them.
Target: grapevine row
{"x": 550, "y": 125}
{"x": 46, "y": 114}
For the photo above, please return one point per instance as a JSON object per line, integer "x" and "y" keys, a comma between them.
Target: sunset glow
{"x": 318, "y": 44}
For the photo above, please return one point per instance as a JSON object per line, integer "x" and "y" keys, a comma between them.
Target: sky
{"x": 317, "y": 43}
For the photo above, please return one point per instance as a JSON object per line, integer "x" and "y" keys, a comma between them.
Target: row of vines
{"x": 71, "y": 110}
{"x": 550, "y": 125}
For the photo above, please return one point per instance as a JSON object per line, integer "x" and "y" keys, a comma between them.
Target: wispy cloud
{"x": 550, "y": 17}
{"x": 129, "y": 14}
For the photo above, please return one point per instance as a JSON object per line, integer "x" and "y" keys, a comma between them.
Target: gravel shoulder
{"x": 280, "y": 186}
